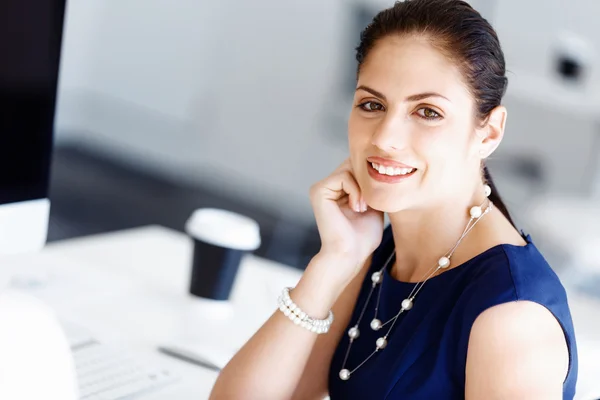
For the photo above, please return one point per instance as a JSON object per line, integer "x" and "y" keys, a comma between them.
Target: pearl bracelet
{"x": 299, "y": 317}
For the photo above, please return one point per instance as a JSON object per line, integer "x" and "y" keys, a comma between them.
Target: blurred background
{"x": 242, "y": 105}
{"x": 165, "y": 107}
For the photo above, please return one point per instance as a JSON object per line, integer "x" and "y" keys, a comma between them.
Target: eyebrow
{"x": 421, "y": 96}
{"x": 414, "y": 97}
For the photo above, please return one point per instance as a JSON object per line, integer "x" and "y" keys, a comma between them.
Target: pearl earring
{"x": 477, "y": 211}
{"x": 487, "y": 190}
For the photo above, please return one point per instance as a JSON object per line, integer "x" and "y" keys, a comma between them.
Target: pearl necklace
{"x": 476, "y": 214}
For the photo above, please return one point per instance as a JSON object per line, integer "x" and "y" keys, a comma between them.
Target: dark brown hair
{"x": 461, "y": 34}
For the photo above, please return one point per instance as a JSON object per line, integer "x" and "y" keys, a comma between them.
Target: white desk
{"x": 130, "y": 288}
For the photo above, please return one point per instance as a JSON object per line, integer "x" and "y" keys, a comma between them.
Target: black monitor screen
{"x": 30, "y": 41}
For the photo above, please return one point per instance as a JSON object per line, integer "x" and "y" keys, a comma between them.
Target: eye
{"x": 370, "y": 106}
{"x": 428, "y": 113}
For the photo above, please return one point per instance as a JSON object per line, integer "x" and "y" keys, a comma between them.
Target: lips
{"x": 389, "y": 171}
{"x": 388, "y": 162}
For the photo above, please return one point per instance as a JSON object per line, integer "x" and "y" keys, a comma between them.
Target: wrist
{"x": 337, "y": 268}
{"x": 338, "y": 256}
{"x": 323, "y": 281}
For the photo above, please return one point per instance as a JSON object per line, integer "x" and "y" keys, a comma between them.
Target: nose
{"x": 391, "y": 134}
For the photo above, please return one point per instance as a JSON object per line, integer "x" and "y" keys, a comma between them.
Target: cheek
{"x": 354, "y": 140}
{"x": 359, "y": 132}
{"x": 429, "y": 143}
{"x": 444, "y": 151}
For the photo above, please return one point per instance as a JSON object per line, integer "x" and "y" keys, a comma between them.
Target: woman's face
{"x": 412, "y": 127}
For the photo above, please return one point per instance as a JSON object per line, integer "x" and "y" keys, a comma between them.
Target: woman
{"x": 450, "y": 301}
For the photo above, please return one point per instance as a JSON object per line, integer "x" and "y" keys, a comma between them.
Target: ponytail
{"x": 495, "y": 196}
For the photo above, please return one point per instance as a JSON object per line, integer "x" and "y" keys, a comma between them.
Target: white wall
{"x": 532, "y": 30}
{"x": 232, "y": 94}
{"x": 551, "y": 118}
{"x": 243, "y": 96}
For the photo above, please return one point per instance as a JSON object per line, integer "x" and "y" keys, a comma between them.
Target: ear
{"x": 492, "y": 132}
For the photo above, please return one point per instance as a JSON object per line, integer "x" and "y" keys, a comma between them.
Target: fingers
{"x": 338, "y": 186}
{"x": 349, "y": 186}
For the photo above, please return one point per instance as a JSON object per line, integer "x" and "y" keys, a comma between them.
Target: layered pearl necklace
{"x": 476, "y": 214}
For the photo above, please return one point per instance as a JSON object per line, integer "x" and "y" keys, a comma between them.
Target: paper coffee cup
{"x": 221, "y": 238}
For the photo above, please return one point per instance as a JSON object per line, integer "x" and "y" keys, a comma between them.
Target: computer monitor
{"x": 30, "y": 43}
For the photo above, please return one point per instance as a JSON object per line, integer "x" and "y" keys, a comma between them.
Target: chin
{"x": 386, "y": 198}
{"x": 386, "y": 202}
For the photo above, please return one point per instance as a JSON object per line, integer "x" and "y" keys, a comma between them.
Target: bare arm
{"x": 313, "y": 382}
{"x": 516, "y": 351}
{"x": 283, "y": 360}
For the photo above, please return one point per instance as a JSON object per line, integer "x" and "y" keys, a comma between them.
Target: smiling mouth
{"x": 392, "y": 171}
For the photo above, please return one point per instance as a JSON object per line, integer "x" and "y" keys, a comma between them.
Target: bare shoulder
{"x": 516, "y": 350}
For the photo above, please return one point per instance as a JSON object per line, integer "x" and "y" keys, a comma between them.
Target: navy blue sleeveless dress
{"x": 426, "y": 354}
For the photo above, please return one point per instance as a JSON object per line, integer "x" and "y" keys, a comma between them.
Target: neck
{"x": 422, "y": 236}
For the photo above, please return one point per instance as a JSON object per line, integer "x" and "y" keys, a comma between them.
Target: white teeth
{"x": 391, "y": 171}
